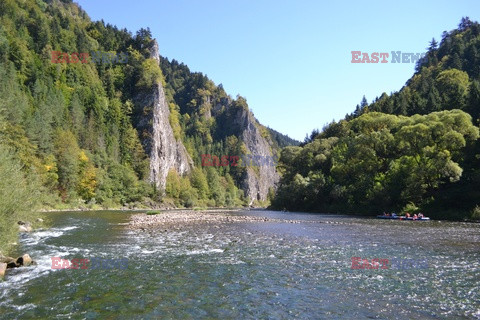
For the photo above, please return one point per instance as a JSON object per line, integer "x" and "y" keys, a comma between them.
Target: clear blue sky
{"x": 290, "y": 59}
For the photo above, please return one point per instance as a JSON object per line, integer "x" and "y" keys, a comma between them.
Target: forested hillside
{"x": 69, "y": 123}
{"x": 416, "y": 149}
{"x": 72, "y": 118}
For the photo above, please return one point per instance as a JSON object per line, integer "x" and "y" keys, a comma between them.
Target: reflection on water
{"x": 248, "y": 270}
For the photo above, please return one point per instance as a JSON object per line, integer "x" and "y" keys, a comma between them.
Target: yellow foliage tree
{"x": 88, "y": 177}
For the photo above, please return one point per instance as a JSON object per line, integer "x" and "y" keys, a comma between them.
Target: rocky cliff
{"x": 164, "y": 150}
{"x": 258, "y": 179}
{"x": 261, "y": 176}
{"x": 166, "y": 153}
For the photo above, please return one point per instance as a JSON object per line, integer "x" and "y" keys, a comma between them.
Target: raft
{"x": 403, "y": 218}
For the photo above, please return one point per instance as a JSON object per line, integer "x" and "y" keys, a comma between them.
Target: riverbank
{"x": 139, "y": 208}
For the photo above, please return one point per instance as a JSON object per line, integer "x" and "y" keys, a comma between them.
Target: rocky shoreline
{"x": 10, "y": 263}
{"x": 177, "y": 218}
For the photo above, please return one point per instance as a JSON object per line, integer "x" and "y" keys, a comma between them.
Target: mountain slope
{"x": 416, "y": 149}
{"x": 102, "y": 119}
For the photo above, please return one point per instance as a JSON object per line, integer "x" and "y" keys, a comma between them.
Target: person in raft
{"x": 420, "y": 215}
{"x": 407, "y": 214}
{"x": 415, "y": 217}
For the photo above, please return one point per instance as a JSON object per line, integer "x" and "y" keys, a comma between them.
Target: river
{"x": 251, "y": 270}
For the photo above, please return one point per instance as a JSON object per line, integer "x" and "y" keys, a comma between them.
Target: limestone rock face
{"x": 258, "y": 179}
{"x": 166, "y": 153}
{"x": 164, "y": 150}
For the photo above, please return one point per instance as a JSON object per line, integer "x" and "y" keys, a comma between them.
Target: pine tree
{"x": 455, "y": 62}
{"x": 433, "y": 45}
{"x": 464, "y": 24}
{"x": 364, "y": 102}
{"x": 434, "y": 102}
{"x": 473, "y": 101}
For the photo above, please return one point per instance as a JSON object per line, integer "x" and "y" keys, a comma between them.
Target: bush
{"x": 153, "y": 212}
{"x": 150, "y": 74}
{"x": 410, "y": 208}
{"x": 120, "y": 185}
{"x": 19, "y": 197}
{"x": 188, "y": 198}
{"x": 476, "y": 213}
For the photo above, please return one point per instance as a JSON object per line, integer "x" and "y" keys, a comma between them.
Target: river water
{"x": 250, "y": 270}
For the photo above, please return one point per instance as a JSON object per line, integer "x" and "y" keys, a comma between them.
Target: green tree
{"x": 474, "y": 100}
{"x": 67, "y": 153}
{"x": 173, "y": 185}
{"x": 19, "y": 198}
{"x": 150, "y": 73}
{"x": 216, "y": 189}
{"x": 199, "y": 182}
{"x": 453, "y": 84}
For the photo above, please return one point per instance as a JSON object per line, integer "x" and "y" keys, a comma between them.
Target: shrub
{"x": 411, "y": 208}
{"x": 188, "y": 198}
{"x": 19, "y": 197}
{"x": 153, "y": 212}
{"x": 476, "y": 213}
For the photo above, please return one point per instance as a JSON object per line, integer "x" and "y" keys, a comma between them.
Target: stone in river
{"x": 3, "y": 268}
{"x": 24, "y": 260}
{"x": 9, "y": 261}
{"x": 24, "y": 226}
